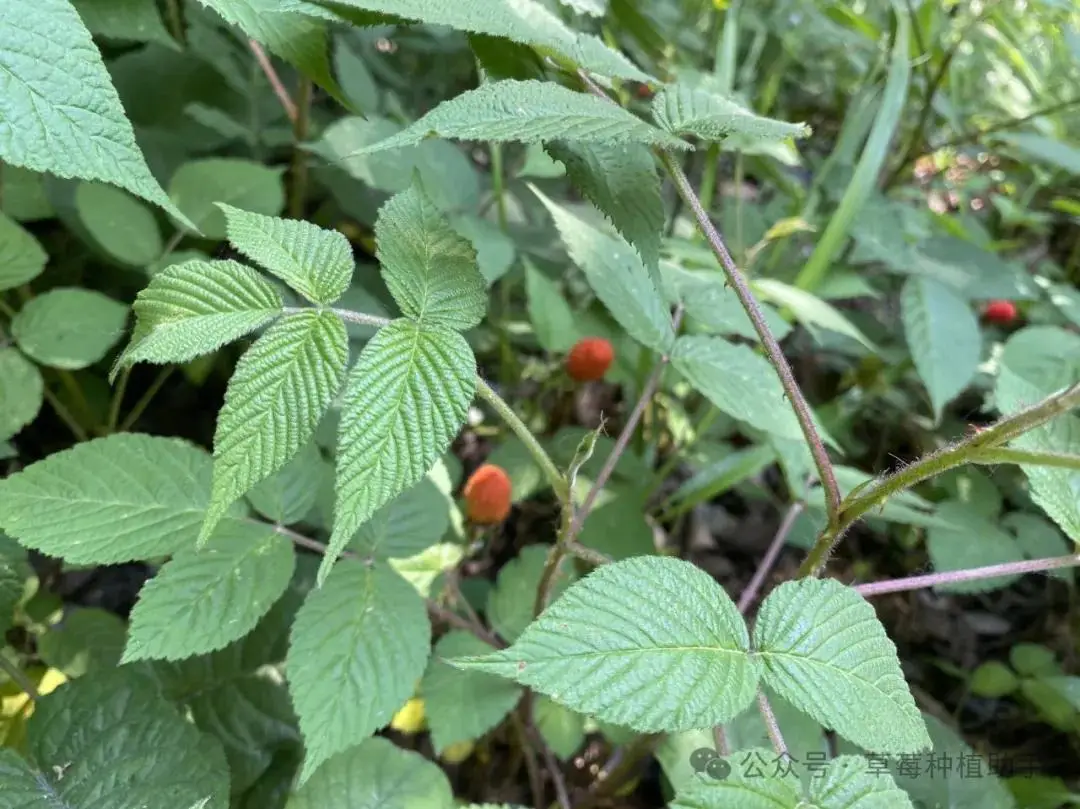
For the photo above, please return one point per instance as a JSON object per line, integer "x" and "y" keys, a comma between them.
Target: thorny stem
{"x": 972, "y": 574}
{"x": 772, "y": 727}
{"x": 275, "y": 81}
{"x": 985, "y": 441}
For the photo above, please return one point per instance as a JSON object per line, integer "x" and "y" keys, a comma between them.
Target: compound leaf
{"x": 359, "y": 644}
{"x": 275, "y": 399}
{"x": 825, "y": 651}
{"x": 529, "y": 112}
{"x": 202, "y": 600}
{"x": 404, "y": 401}
{"x": 428, "y": 267}
{"x": 651, "y": 643}
{"x": 69, "y": 327}
{"x": 684, "y": 110}
{"x": 196, "y": 307}
{"x": 316, "y": 262}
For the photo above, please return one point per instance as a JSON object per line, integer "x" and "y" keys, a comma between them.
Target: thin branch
{"x": 117, "y": 401}
{"x": 536, "y": 780}
{"x": 752, "y": 589}
{"x": 974, "y": 135}
{"x": 720, "y": 741}
{"x": 772, "y": 727}
{"x": 275, "y": 81}
{"x": 144, "y": 400}
{"x": 973, "y": 574}
{"x": 298, "y": 187}
{"x": 64, "y": 414}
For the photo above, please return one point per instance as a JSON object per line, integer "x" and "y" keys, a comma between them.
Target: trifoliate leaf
{"x": 738, "y": 381}
{"x": 529, "y": 112}
{"x": 511, "y": 601}
{"x": 976, "y": 542}
{"x": 61, "y": 113}
{"x": 522, "y": 21}
{"x": 198, "y": 186}
{"x": 69, "y": 327}
{"x": 22, "y": 391}
{"x": 404, "y": 401}
{"x": 85, "y": 641}
{"x": 375, "y": 775}
{"x": 618, "y": 276}
{"x": 110, "y": 500}
{"x": 622, "y": 182}
{"x": 562, "y": 729}
{"x": 279, "y": 391}
{"x": 825, "y": 651}
{"x": 410, "y": 523}
{"x": 317, "y": 263}
{"x": 684, "y": 110}
{"x": 463, "y": 705}
{"x": 288, "y": 495}
{"x": 428, "y": 267}
{"x": 202, "y": 600}
{"x": 21, "y": 256}
{"x": 652, "y": 643}
{"x": 358, "y": 646}
{"x": 196, "y": 307}
{"x": 119, "y": 224}
{"x": 112, "y": 740}
{"x": 944, "y": 338}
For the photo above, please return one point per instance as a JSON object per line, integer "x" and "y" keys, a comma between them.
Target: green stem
{"x": 18, "y": 676}
{"x": 658, "y": 478}
{"x": 65, "y": 415}
{"x": 1061, "y": 460}
{"x": 708, "y": 176}
{"x": 739, "y": 242}
{"x": 117, "y": 400}
{"x": 144, "y": 400}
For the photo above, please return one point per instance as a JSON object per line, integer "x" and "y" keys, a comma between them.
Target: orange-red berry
{"x": 488, "y": 494}
{"x": 644, "y": 91}
{"x": 1003, "y": 312}
{"x": 589, "y": 359}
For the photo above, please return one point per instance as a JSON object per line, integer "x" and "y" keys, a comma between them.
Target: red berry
{"x": 644, "y": 91}
{"x": 1003, "y": 312}
{"x": 589, "y": 359}
{"x": 488, "y": 494}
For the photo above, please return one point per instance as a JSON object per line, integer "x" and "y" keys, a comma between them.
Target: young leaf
{"x": 618, "y": 276}
{"x": 410, "y": 523}
{"x": 110, "y": 500}
{"x": 202, "y": 600}
{"x": 358, "y": 646}
{"x": 404, "y": 401}
{"x": 529, "y": 112}
{"x": 61, "y": 112}
{"x": 695, "y": 111}
{"x": 22, "y": 391}
{"x": 428, "y": 267}
{"x": 21, "y": 257}
{"x": 622, "y": 182}
{"x": 317, "y": 263}
{"x": 119, "y": 224}
{"x": 652, "y": 643}
{"x": 279, "y": 391}
{"x": 463, "y": 705}
{"x": 944, "y": 338}
{"x": 69, "y": 327}
{"x": 196, "y": 307}
{"x": 738, "y": 381}
{"x": 825, "y": 651}
{"x": 198, "y": 186}
{"x": 113, "y": 728}
{"x": 375, "y": 774}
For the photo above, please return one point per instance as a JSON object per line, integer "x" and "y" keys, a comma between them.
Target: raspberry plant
{"x": 247, "y": 676}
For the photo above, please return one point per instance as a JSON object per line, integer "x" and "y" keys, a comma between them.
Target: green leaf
{"x": 944, "y": 338}
{"x": 463, "y": 705}
{"x": 825, "y": 651}
{"x": 428, "y": 267}
{"x": 622, "y": 182}
{"x": 993, "y": 679}
{"x": 22, "y": 391}
{"x": 119, "y": 224}
{"x": 619, "y": 278}
{"x": 197, "y": 186}
{"x": 23, "y": 195}
{"x": 1038, "y": 539}
{"x": 14, "y": 572}
{"x": 69, "y": 327}
{"x": 404, "y": 402}
{"x": 85, "y": 642}
{"x": 1044, "y": 149}
{"x": 652, "y": 643}
{"x": 495, "y": 250}
{"x": 93, "y": 735}
{"x": 523, "y": 21}
{"x": 849, "y": 783}
{"x": 119, "y": 499}
{"x": 196, "y": 307}
{"x": 126, "y": 20}
{"x": 811, "y": 310}
{"x": 745, "y": 780}
{"x": 61, "y": 113}
{"x": 279, "y": 391}
{"x": 358, "y": 646}
{"x": 288, "y": 495}
{"x": 738, "y": 381}
{"x": 563, "y": 730}
{"x": 712, "y": 306}
{"x": 685, "y": 110}
{"x": 375, "y": 775}
{"x": 410, "y": 523}
{"x": 529, "y": 112}
{"x": 316, "y": 262}
{"x": 202, "y": 600}
{"x": 510, "y": 602}
{"x": 979, "y": 542}
{"x": 551, "y": 316}
{"x": 21, "y": 257}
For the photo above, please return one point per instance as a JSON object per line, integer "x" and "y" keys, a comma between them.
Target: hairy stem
{"x": 1060, "y": 460}
{"x": 772, "y": 727}
{"x": 972, "y": 574}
